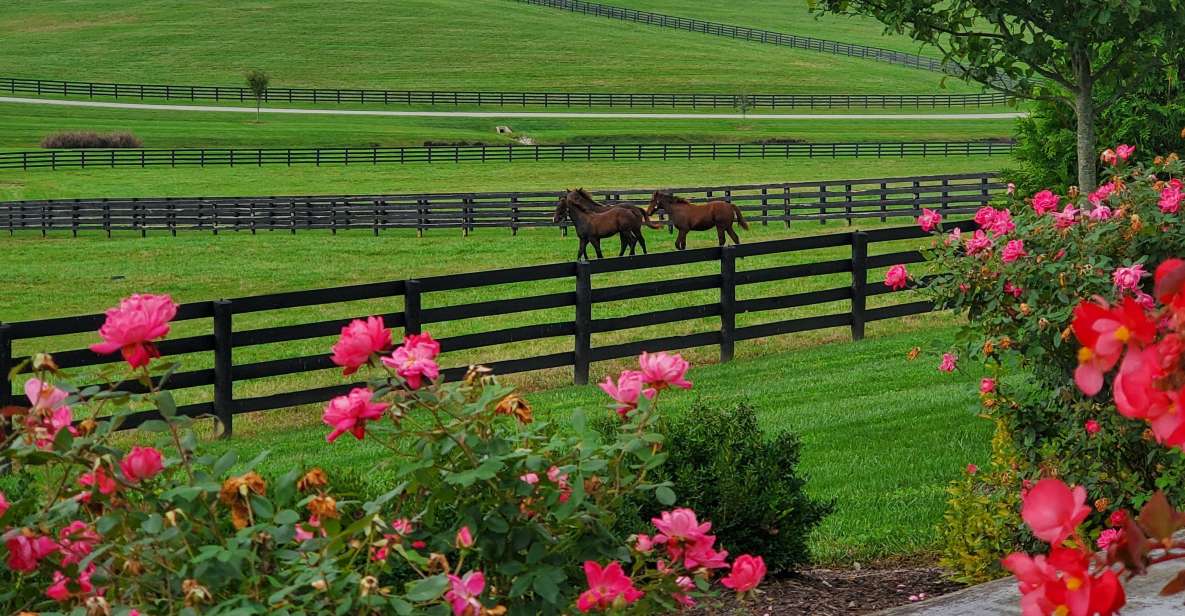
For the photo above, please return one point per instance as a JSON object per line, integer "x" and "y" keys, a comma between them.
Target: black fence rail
{"x": 749, "y": 34}
{"x": 221, "y": 337}
{"x": 784, "y": 202}
{"x": 439, "y": 98}
{"x": 245, "y": 157}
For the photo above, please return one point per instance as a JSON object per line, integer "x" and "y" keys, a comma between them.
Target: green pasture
{"x": 416, "y": 44}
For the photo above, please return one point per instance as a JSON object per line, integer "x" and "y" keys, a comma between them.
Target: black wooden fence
{"x": 784, "y": 202}
{"x": 223, "y": 338}
{"x": 203, "y": 157}
{"x": 749, "y": 34}
{"x": 437, "y": 98}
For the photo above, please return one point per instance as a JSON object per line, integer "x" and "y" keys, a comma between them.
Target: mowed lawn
{"x": 449, "y": 177}
{"x": 882, "y": 436}
{"x": 413, "y": 44}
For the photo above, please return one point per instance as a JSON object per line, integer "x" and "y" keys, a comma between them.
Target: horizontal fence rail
{"x": 222, "y": 335}
{"x": 210, "y": 157}
{"x": 443, "y": 98}
{"x": 749, "y": 34}
{"x": 849, "y": 199}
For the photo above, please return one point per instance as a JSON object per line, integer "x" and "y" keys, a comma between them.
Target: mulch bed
{"x": 830, "y": 592}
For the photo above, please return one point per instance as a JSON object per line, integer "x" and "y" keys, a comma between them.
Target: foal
{"x": 592, "y": 225}
{"x": 638, "y": 237}
{"x": 687, "y": 216}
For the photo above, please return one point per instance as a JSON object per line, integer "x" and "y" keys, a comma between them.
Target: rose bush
{"x": 1018, "y": 280}
{"x": 494, "y": 512}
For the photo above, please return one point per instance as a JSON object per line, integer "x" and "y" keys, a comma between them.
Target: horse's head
{"x": 658, "y": 201}
{"x": 561, "y": 209}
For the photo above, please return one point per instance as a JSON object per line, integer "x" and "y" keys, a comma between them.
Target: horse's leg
{"x": 642, "y": 241}
{"x": 583, "y": 252}
{"x": 624, "y": 241}
{"x": 720, "y": 234}
{"x": 733, "y": 235}
{"x": 681, "y": 240}
{"x": 597, "y": 246}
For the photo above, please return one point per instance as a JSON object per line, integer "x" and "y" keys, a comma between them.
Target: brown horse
{"x": 687, "y": 216}
{"x": 594, "y": 221}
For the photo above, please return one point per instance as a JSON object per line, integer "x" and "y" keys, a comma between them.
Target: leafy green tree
{"x": 1050, "y": 50}
{"x": 257, "y": 81}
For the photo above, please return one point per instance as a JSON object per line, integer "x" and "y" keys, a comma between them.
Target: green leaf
{"x": 427, "y": 589}
{"x": 166, "y": 405}
{"x": 547, "y": 588}
{"x": 153, "y": 524}
{"x": 665, "y": 495}
{"x": 287, "y": 516}
{"x": 224, "y": 463}
{"x": 262, "y": 507}
{"x": 154, "y": 425}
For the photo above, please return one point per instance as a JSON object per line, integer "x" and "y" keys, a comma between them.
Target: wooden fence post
{"x": 411, "y": 307}
{"x": 583, "y": 346}
{"x": 728, "y": 296}
{"x": 5, "y": 364}
{"x": 224, "y": 398}
{"x": 859, "y": 282}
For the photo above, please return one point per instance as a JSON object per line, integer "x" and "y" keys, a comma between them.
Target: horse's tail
{"x": 646, "y": 220}
{"x": 740, "y": 219}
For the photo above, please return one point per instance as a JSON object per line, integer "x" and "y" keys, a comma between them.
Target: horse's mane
{"x": 583, "y": 193}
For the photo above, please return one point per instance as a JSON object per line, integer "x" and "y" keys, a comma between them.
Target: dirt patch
{"x": 831, "y": 592}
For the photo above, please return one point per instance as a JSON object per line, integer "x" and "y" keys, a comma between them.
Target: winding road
{"x": 524, "y": 114}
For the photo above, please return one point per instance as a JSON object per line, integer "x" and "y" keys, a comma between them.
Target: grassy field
{"x": 305, "y": 180}
{"x": 418, "y": 44}
{"x": 860, "y": 449}
{"x": 27, "y": 124}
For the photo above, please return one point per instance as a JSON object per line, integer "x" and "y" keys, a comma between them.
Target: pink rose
{"x": 25, "y": 553}
{"x": 99, "y": 480}
{"x": 415, "y": 360}
{"x": 1170, "y": 199}
{"x": 1045, "y": 202}
{"x": 349, "y": 413}
{"x": 998, "y": 222}
{"x": 463, "y": 593}
{"x": 52, "y": 416}
{"x": 984, "y": 216}
{"x": 1124, "y": 152}
{"x": 530, "y": 479}
{"x": 1011, "y": 188}
{"x": 1092, "y": 427}
{"x": 897, "y": 277}
{"x": 132, "y": 327}
{"x": 1013, "y": 250}
{"x": 747, "y": 572}
{"x": 1013, "y": 290}
{"x": 4, "y": 506}
{"x": 358, "y": 342}
{"x": 141, "y": 463}
{"x": 1101, "y": 194}
{"x": 1066, "y": 218}
{"x": 1108, "y": 157}
{"x": 1128, "y": 278}
{"x": 76, "y": 541}
{"x": 929, "y": 220}
{"x": 950, "y": 362}
{"x": 979, "y": 243}
{"x": 59, "y": 590}
{"x": 987, "y": 385}
{"x": 1108, "y": 537}
{"x": 464, "y": 538}
{"x": 662, "y": 370}
{"x": 626, "y": 391}
{"x": 972, "y": 469}
{"x": 606, "y": 586}
{"x": 1100, "y": 213}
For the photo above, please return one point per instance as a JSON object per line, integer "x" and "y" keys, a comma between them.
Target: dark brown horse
{"x": 594, "y": 221}
{"x": 687, "y": 216}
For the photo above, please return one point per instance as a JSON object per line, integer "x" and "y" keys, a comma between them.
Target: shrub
{"x": 89, "y": 139}
{"x": 721, "y": 465}
{"x": 1018, "y": 280}
{"x": 492, "y": 512}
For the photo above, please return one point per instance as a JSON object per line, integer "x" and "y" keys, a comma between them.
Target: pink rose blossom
{"x": 950, "y": 362}
{"x": 1128, "y": 278}
{"x": 678, "y": 530}
{"x": 747, "y": 572}
{"x": 972, "y": 469}
{"x": 557, "y": 477}
{"x": 979, "y": 243}
{"x": 626, "y": 391}
{"x": 1045, "y": 202}
{"x": 1146, "y": 301}
{"x": 402, "y": 526}
{"x": 349, "y": 413}
{"x": 1170, "y": 199}
{"x": 1013, "y": 250}
{"x": 605, "y": 586}
{"x": 25, "y": 553}
{"x": 929, "y": 220}
{"x": 1092, "y": 427}
{"x": 132, "y": 327}
{"x": 1053, "y": 510}
{"x": 987, "y": 385}
{"x": 4, "y": 506}
{"x": 358, "y": 342}
{"x": 463, "y": 593}
{"x": 1011, "y": 188}
{"x": 1108, "y": 537}
{"x": 1101, "y": 213}
{"x": 530, "y": 479}
{"x": 59, "y": 590}
{"x": 1000, "y": 223}
{"x": 1101, "y": 194}
{"x": 985, "y": 215}
{"x": 99, "y": 480}
{"x": 1108, "y": 157}
{"x": 51, "y": 416}
{"x": 1013, "y": 290}
{"x": 304, "y": 532}
{"x": 1124, "y": 152}
{"x": 702, "y": 555}
{"x": 76, "y": 541}
{"x": 644, "y": 543}
{"x": 141, "y": 463}
{"x": 897, "y": 277}
{"x": 1066, "y": 218}
{"x": 954, "y": 237}
{"x": 464, "y": 538}
{"x": 662, "y": 370}
{"x": 686, "y": 584}
{"x": 415, "y": 360}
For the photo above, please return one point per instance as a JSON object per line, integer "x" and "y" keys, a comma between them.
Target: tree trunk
{"x": 1084, "y": 110}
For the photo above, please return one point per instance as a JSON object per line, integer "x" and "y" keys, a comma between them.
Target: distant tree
{"x": 743, "y": 103}
{"x": 1052, "y": 50}
{"x": 257, "y": 81}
